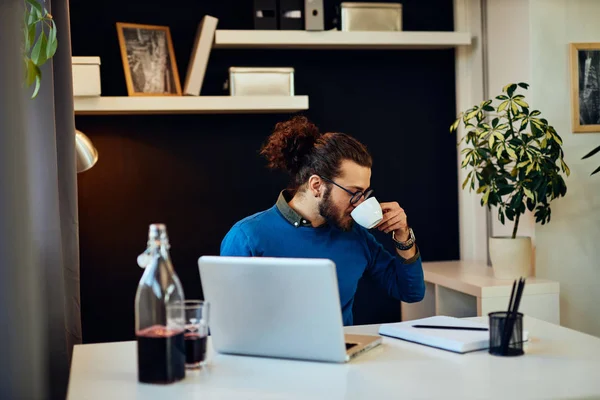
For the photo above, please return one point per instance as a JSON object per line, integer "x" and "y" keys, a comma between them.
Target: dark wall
{"x": 201, "y": 173}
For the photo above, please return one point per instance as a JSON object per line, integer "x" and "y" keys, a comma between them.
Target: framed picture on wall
{"x": 148, "y": 60}
{"x": 585, "y": 87}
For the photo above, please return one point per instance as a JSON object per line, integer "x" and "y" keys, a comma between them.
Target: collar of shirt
{"x": 288, "y": 212}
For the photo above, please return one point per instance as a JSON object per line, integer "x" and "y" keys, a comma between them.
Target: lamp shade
{"x": 87, "y": 155}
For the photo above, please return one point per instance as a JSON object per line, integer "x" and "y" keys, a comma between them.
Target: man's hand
{"x": 394, "y": 219}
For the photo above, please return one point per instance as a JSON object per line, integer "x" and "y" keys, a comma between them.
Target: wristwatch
{"x": 407, "y": 245}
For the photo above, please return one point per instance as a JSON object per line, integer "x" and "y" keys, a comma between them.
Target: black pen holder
{"x": 506, "y": 334}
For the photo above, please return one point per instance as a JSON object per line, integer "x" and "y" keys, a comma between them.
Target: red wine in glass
{"x": 161, "y": 354}
{"x": 195, "y": 349}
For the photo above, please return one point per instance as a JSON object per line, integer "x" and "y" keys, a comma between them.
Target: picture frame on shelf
{"x": 585, "y": 87}
{"x": 148, "y": 60}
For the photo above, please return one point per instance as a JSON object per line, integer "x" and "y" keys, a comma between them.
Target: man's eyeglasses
{"x": 356, "y": 196}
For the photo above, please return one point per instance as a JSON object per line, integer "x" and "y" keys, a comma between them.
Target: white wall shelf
{"x": 257, "y": 39}
{"x": 107, "y": 105}
{"x": 469, "y": 288}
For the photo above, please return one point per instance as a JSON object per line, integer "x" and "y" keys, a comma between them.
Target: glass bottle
{"x": 159, "y": 326}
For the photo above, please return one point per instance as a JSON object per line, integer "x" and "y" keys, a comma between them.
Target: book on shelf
{"x": 200, "y": 54}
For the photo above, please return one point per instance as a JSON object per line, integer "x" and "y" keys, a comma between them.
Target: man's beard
{"x": 331, "y": 214}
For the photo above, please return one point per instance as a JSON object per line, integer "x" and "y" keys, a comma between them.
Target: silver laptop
{"x": 278, "y": 307}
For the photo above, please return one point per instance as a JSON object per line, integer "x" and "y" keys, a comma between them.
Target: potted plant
{"x": 514, "y": 158}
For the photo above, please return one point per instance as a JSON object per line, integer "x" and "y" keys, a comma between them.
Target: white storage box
{"x": 247, "y": 81}
{"x": 86, "y": 76}
{"x": 371, "y": 16}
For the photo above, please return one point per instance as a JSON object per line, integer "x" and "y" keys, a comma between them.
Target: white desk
{"x": 558, "y": 363}
{"x": 469, "y": 289}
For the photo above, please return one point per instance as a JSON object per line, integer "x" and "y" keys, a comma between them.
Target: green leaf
{"x": 43, "y": 58}
{"x": 470, "y": 115}
{"x": 536, "y": 122}
{"x": 454, "y": 125}
{"x": 38, "y": 79}
{"x": 499, "y": 151}
{"x": 529, "y": 194}
{"x": 510, "y": 214}
{"x": 521, "y": 103}
{"x": 535, "y": 113}
{"x": 486, "y": 195}
{"x": 37, "y": 49}
{"x": 52, "y": 41}
{"x": 491, "y": 140}
{"x": 505, "y": 88}
{"x": 516, "y": 200}
{"x": 565, "y": 168}
{"x": 465, "y": 162}
{"x": 502, "y": 97}
{"x": 557, "y": 138}
{"x": 529, "y": 168}
{"x": 488, "y": 108}
{"x": 35, "y": 5}
{"x": 543, "y": 191}
{"x": 501, "y": 216}
{"x": 511, "y": 89}
{"x": 591, "y": 153}
{"x": 505, "y": 190}
{"x": 563, "y": 187}
{"x": 51, "y": 49}
{"x": 595, "y": 171}
{"x": 481, "y": 189}
{"x": 30, "y": 36}
{"x": 32, "y": 72}
{"x": 524, "y": 85}
{"x": 467, "y": 179}
{"x": 495, "y": 124}
{"x": 511, "y": 152}
{"x": 514, "y": 107}
{"x": 33, "y": 17}
{"x": 503, "y": 106}
{"x": 524, "y": 163}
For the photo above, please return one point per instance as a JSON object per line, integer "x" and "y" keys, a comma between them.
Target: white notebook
{"x": 458, "y": 341}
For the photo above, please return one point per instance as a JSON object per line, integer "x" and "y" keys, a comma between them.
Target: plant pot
{"x": 511, "y": 258}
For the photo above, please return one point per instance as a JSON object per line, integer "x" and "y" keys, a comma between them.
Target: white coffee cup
{"x": 368, "y": 213}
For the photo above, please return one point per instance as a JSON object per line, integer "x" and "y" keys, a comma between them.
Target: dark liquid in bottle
{"x": 161, "y": 355}
{"x": 195, "y": 348}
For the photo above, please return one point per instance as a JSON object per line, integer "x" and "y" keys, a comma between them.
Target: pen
{"x": 459, "y": 328}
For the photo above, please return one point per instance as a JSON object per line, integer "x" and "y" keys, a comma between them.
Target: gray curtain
{"x": 39, "y": 258}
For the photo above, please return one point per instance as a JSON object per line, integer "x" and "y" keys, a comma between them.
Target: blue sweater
{"x": 270, "y": 234}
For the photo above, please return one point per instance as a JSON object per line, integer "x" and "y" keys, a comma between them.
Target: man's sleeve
{"x": 401, "y": 279}
{"x": 236, "y": 243}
